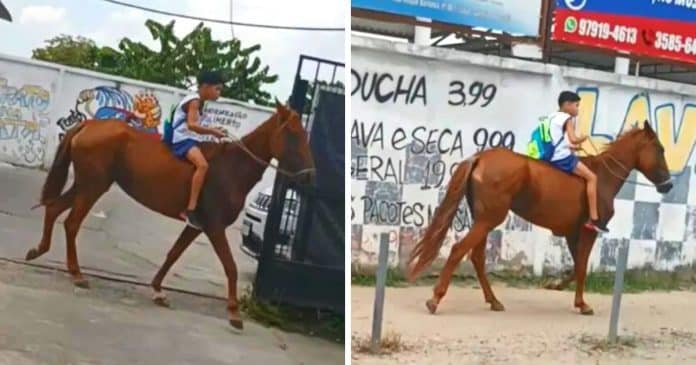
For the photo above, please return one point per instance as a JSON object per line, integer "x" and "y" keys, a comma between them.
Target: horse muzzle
{"x": 665, "y": 187}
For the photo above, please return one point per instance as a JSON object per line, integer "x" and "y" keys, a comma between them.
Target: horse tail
{"x": 58, "y": 174}
{"x": 428, "y": 247}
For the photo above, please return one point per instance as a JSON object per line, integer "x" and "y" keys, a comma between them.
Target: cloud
{"x": 127, "y": 23}
{"x": 280, "y": 49}
{"x": 41, "y": 14}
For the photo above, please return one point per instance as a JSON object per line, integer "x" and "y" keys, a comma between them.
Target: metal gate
{"x": 302, "y": 256}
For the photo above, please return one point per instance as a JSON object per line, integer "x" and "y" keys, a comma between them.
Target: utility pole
{"x": 231, "y": 18}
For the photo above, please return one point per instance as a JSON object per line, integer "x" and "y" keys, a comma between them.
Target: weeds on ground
{"x": 391, "y": 343}
{"x": 326, "y": 325}
{"x": 588, "y": 343}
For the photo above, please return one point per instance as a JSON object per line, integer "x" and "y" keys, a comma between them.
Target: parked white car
{"x": 254, "y": 223}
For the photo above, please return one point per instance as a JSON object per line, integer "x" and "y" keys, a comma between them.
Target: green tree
{"x": 176, "y": 63}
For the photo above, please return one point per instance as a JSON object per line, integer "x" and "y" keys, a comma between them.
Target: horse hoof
{"x": 32, "y": 254}
{"x": 81, "y": 283}
{"x": 161, "y": 300}
{"x": 237, "y": 324}
{"x": 497, "y": 307}
{"x": 432, "y": 305}
{"x": 586, "y": 310}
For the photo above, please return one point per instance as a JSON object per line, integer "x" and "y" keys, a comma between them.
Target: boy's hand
{"x": 220, "y": 132}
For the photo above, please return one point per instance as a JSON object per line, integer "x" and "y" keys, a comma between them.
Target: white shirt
{"x": 557, "y": 122}
{"x": 182, "y": 132}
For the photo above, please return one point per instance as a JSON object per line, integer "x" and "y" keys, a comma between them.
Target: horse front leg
{"x": 222, "y": 249}
{"x": 182, "y": 243}
{"x": 585, "y": 243}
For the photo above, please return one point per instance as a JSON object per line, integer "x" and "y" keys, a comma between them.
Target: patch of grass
{"x": 326, "y": 325}
{"x": 635, "y": 280}
{"x": 395, "y": 278}
{"x": 390, "y": 343}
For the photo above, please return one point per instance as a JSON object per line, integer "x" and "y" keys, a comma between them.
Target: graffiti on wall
{"x": 223, "y": 115}
{"x": 676, "y": 129}
{"x": 23, "y": 113}
{"x": 411, "y": 129}
{"x": 141, "y": 110}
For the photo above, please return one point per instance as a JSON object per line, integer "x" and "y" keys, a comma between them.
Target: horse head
{"x": 289, "y": 144}
{"x": 651, "y": 159}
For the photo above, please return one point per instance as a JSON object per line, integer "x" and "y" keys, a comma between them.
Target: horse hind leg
{"x": 478, "y": 259}
{"x": 476, "y": 236}
{"x": 83, "y": 203}
{"x": 53, "y": 211}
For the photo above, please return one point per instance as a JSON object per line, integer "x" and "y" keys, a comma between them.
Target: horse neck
{"x": 613, "y": 167}
{"x": 258, "y": 143}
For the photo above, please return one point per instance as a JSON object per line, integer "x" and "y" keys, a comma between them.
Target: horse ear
{"x": 646, "y": 125}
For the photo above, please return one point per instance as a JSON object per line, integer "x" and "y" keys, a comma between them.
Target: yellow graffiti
{"x": 678, "y": 141}
{"x": 146, "y": 107}
{"x": 678, "y": 147}
{"x": 588, "y": 108}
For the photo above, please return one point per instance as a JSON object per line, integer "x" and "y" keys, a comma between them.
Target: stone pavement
{"x": 44, "y": 320}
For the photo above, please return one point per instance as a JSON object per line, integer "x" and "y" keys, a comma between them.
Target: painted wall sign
{"x": 414, "y": 118}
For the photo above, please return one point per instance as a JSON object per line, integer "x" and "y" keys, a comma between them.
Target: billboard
{"x": 516, "y": 17}
{"x": 664, "y": 29}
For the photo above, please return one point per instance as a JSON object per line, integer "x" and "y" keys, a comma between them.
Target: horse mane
{"x": 625, "y": 134}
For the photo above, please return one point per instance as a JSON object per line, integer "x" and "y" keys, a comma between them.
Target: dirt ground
{"x": 538, "y": 327}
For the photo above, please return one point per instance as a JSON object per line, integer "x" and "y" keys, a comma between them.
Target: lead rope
{"x": 236, "y": 140}
{"x": 604, "y": 162}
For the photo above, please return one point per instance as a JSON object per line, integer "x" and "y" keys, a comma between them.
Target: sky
{"x": 35, "y": 21}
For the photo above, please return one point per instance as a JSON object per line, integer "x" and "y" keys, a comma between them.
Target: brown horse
{"x": 104, "y": 152}
{"x": 497, "y": 181}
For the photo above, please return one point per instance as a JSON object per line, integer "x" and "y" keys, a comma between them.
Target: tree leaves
{"x": 177, "y": 62}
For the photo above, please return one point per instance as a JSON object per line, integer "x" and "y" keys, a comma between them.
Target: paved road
{"x": 44, "y": 320}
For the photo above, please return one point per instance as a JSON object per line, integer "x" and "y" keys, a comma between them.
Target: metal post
{"x": 379, "y": 291}
{"x": 621, "y": 262}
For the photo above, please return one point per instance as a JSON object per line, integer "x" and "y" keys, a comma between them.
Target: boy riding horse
{"x": 187, "y": 134}
{"x": 565, "y": 142}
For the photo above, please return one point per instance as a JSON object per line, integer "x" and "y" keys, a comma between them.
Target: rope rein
{"x": 238, "y": 141}
{"x": 617, "y": 162}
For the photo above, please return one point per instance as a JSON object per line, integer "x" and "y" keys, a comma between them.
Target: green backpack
{"x": 540, "y": 146}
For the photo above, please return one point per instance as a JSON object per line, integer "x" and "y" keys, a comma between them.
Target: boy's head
{"x": 569, "y": 102}
{"x": 210, "y": 85}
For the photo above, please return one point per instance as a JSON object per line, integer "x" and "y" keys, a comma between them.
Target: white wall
{"x": 400, "y": 140}
{"x": 39, "y": 101}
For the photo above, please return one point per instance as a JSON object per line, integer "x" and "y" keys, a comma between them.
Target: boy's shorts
{"x": 181, "y": 148}
{"x": 567, "y": 164}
